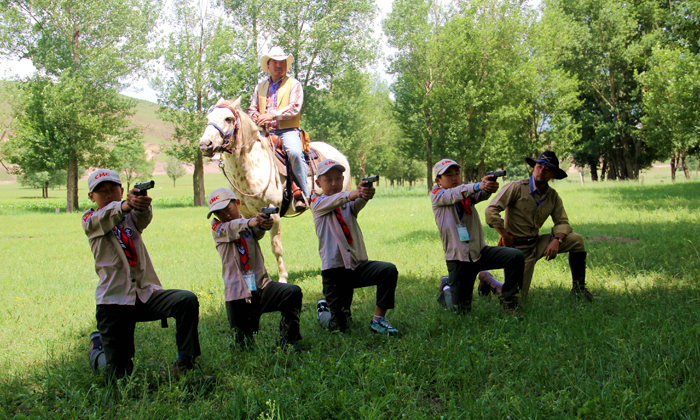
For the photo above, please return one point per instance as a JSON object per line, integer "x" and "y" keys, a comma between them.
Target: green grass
{"x": 633, "y": 354}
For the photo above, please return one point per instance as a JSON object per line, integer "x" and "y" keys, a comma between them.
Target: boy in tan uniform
{"x": 528, "y": 203}
{"x": 344, "y": 261}
{"x": 248, "y": 290}
{"x": 129, "y": 290}
{"x": 466, "y": 252}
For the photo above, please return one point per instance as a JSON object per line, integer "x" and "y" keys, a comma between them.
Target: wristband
{"x": 476, "y": 186}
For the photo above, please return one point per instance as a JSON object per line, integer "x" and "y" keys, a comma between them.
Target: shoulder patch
{"x": 215, "y": 226}
{"x": 437, "y": 189}
{"x": 87, "y": 215}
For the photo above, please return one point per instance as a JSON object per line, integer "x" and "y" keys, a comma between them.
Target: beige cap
{"x": 102, "y": 175}
{"x": 442, "y": 166}
{"x": 219, "y": 199}
{"x": 327, "y": 165}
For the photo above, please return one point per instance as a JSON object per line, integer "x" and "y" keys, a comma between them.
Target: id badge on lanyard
{"x": 463, "y": 233}
{"x": 249, "y": 278}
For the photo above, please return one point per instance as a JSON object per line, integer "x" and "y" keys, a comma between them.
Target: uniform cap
{"x": 219, "y": 199}
{"x": 102, "y": 175}
{"x": 327, "y": 165}
{"x": 442, "y": 166}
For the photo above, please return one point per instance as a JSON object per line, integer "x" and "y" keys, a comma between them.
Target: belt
{"x": 525, "y": 241}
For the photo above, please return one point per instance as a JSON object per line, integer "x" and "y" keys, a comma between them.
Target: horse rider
{"x": 276, "y": 107}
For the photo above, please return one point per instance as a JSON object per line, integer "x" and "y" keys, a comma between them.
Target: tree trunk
{"x": 674, "y": 162}
{"x": 603, "y": 167}
{"x": 428, "y": 150}
{"x": 45, "y": 190}
{"x": 594, "y": 169}
{"x": 481, "y": 169}
{"x": 612, "y": 171}
{"x": 198, "y": 181}
{"x": 684, "y": 166}
{"x": 72, "y": 187}
{"x": 637, "y": 156}
{"x": 173, "y": 182}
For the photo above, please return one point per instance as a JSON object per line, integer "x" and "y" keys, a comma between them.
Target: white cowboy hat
{"x": 276, "y": 53}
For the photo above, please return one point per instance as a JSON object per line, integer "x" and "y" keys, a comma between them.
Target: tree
{"x": 198, "y": 68}
{"x": 85, "y": 51}
{"x": 43, "y": 180}
{"x": 672, "y": 89}
{"x": 66, "y": 123}
{"x": 174, "y": 169}
{"x": 131, "y": 162}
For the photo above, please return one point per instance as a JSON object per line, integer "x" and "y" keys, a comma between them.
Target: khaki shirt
{"x": 524, "y": 218}
{"x": 332, "y": 246}
{"x": 224, "y": 235}
{"x": 119, "y": 282}
{"x": 447, "y": 218}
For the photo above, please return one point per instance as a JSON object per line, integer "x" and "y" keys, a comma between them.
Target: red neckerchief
{"x": 242, "y": 246}
{"x": 127, "y": 245}
{"x": 343, "y": 225}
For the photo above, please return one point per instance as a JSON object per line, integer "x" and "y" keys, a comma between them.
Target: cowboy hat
{"x": 275, "y": 53}
{"x": 548, "y": 158}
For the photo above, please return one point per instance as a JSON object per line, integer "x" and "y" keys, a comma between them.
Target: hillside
{"x": 155, "y": 131}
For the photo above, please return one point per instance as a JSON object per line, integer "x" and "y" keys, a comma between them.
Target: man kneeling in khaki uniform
{"x": 528, "y": 203}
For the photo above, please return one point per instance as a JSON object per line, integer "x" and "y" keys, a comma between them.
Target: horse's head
{"x": 228, "y": 128}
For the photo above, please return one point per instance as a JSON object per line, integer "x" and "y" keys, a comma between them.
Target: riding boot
{"x": 488, "y": 284}
{"x": 299, "y": 199}
{"x": 577, "y": 263}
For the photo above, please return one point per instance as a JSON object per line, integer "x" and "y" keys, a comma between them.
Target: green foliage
{"x": 131, "y": 162}
{"x": 174, "y": 169}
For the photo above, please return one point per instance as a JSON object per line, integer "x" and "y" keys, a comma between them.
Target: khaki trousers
{"x": 572, "y": 243}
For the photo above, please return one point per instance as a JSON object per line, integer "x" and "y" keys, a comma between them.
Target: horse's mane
{"x": 247, "y": 126}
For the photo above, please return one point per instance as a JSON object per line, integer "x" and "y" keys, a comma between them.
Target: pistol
{"x": 370, "y": 180}
{"x": 143, "y": 187}
{"x": 270, "y": 210}
{"x": 494, "y": 175}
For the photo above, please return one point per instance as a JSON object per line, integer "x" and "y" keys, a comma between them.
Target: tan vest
{"x": 283, "y": 93}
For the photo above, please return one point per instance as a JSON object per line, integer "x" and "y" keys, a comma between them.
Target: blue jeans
{"x": 292, "y": 146}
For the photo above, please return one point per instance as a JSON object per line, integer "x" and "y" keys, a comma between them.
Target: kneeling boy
{"x": 466, "y": 252}
{"x": 129, "y": 290}
{"x": 343, "y": 256}
{"x": 248, "y": 290}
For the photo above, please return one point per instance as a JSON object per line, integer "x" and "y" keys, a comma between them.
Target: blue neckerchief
{"x": 532, "y": 191}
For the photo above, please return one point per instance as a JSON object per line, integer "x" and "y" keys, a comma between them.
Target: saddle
{"x": 311, "y": 155}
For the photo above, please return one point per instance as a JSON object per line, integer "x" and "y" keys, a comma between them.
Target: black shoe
{"x": 581, "y": 291}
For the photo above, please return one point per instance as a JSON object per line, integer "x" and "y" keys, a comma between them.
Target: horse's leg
{"x": 276, "y": 242}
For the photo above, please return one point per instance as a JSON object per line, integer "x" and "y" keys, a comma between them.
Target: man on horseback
{"x": 276, "y": 107}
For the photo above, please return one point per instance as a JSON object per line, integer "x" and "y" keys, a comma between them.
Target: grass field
{"x": 633, "y": 354}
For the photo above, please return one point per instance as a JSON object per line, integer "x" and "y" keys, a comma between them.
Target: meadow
{"x": 633, "y": 354}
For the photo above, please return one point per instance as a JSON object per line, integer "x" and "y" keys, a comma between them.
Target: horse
{"x": 250, "y": 168}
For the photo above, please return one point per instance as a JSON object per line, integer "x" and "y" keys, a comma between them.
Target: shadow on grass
{"x": 49, "y": 207}
{"x": 653, "y": 197}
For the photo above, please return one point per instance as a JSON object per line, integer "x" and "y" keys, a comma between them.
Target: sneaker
{"x": 578, "y": 292}
{"x": 383, "y": 327}
{"x": 322, "y": 306}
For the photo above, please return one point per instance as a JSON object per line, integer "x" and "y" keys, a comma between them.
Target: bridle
{"x": 227, "y": 137}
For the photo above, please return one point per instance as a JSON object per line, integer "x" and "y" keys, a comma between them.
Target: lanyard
{"x": 462, "y": 207}
{"x": 275, "y": 86}
{"x": 532, "y": 191}
{"x": 242, "y": 246}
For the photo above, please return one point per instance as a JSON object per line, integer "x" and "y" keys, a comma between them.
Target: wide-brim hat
{"x": 102, "y": 175}
{"x": 328, "y": 164}
{"x": 443, "y": 165}
{"x": 219, "y": 199}
{"x": 275, "y": 53}
{"x": 548, "y": 158}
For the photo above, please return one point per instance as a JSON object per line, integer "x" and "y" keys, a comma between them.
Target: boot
{"x": 488, "y": 284}
{"x": 577, "y": 263}
{"x": 299, "y": 200}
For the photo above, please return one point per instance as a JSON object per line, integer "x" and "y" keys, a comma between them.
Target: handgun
{"x": 494, "y": 175}
{"x": 370, "y": 180}
{"x": 143, "y": 187}
{"x": 270, "y": 210}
